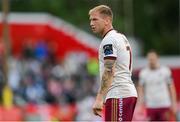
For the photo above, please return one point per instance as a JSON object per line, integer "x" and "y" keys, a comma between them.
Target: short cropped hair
{"x": 153, "y": 51}
{"x": 104, "y": 10}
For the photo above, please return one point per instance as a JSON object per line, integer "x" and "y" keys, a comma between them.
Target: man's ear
{"x": 107, "y": 20}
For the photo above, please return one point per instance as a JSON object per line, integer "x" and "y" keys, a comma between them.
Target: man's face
{"x": 152, "y": 60}
{"x": 97, "y": 22}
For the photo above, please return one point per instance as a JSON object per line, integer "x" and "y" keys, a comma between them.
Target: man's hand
{"x": 98, "y": 106}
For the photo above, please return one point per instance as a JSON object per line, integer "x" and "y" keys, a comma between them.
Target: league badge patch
{"x": 108, "y": 49}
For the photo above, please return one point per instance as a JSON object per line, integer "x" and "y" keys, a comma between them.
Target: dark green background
{"x": 155, "y": 22}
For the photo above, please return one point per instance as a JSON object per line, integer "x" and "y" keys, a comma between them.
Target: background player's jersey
{"x": 155, "y": 84}
{"x": 116, "y": 46}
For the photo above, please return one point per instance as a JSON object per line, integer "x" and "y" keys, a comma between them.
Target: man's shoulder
{"x": 114, "y": 37}
{"x": 165, "y": 69}
{"x": 144, "y": 71}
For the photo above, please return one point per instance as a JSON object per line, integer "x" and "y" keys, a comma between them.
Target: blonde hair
{"x": 104, "y": 10}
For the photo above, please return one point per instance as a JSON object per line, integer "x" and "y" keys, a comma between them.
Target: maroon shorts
{"x": 158, "y": 114}
{"x": 121, "y": 109}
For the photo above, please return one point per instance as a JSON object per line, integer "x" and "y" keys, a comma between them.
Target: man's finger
{"x": 97, "y": 111}
{"x": 94, "y": 111}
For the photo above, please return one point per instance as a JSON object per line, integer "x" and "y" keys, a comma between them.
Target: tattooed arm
{"x": 107, "y": 78}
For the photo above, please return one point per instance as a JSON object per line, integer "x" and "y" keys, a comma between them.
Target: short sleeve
{"x": 109, "y": 50}
{"x": 168, "y": 77}
{"x": 141, "y": 78}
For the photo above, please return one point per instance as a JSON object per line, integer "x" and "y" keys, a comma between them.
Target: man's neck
{"x": 106, "y": 30}
{"x": 155, "y": 67}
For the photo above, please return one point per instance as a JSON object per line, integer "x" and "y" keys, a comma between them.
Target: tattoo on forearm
{"x": 107, "y": 76}
{"x": 109, "y": 65}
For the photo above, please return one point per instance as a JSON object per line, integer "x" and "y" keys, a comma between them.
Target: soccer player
{"x": 156, "y": 89}
{"x": 117, "y": 90}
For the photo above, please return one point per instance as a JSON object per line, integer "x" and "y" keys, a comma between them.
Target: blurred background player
{"x": 117, "y": 90}
{"x": 156, "y": 89}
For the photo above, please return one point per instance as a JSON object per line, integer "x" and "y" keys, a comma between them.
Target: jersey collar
{"x": 107, "y": 32}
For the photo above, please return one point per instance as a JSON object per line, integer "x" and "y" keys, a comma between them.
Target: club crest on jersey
{"x": 108, "y": 49}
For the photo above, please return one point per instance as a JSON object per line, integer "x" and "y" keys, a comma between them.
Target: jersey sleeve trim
{"x": 110, "y": 57}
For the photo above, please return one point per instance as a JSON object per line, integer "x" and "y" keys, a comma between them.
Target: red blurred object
{"x": 63, "y": 42}
{"x": 11, "y": 114}
{"x": 176, "y": 78}
{"x": 38, "y": 27}
{"x": 43, "y": 112}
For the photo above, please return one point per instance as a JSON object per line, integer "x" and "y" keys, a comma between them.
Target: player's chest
{"x": 155, "y": 77}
